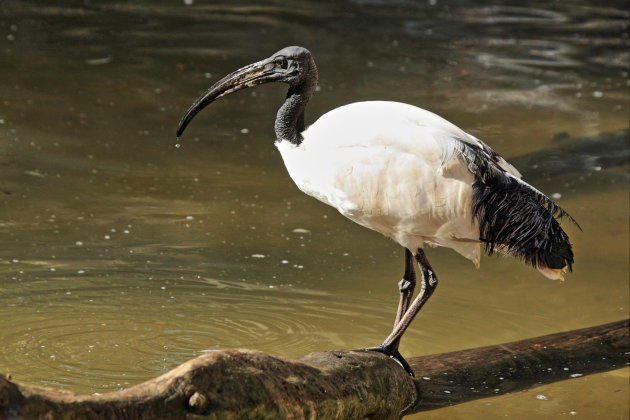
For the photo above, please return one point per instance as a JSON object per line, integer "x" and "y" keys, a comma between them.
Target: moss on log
{"x": 241, "y": 384}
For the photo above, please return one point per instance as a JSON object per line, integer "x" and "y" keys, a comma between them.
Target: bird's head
{"x": 291, "y": 65}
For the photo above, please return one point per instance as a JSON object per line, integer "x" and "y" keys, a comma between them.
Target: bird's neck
{"x": 290, "y": 118}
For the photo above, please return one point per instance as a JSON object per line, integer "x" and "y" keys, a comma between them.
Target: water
{"x": 126, "y": 251}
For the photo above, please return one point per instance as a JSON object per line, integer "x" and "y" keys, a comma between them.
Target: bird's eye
{"x": 282, "y": 62}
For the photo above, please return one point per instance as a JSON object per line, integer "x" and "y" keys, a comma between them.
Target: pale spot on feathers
{"x": 553, "y": 273}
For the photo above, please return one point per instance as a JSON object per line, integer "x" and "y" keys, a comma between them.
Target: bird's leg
{"x": 427, "y": 287}
{"x": 406, "y": 287}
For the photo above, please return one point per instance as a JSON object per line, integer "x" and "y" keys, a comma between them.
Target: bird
{"x": 408, "y": 174}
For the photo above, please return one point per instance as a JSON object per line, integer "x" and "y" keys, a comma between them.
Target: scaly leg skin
{"x": 406, "y": 287}
{"x": 427, "y": 287}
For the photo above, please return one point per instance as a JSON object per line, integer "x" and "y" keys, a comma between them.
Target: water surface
{"x": 123, "y": 255}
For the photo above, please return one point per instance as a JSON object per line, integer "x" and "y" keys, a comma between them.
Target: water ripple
{"x": 101, "y": 336}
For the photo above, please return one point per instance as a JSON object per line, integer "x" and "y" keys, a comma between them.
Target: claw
{"x": 393, "y": 354}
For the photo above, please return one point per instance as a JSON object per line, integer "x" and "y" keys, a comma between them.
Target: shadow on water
{"x": 589, "y": 163}
{"x": 123, "y": 255}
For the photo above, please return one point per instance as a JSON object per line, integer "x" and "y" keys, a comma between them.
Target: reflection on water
{"x": 124, "y": 255}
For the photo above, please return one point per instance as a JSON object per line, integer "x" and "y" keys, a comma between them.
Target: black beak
{"x": 254, "y": 74}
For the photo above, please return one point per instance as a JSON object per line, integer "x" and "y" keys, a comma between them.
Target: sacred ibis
{"x": 408, "y": 174}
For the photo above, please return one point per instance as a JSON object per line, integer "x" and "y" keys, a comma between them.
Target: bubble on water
{"x": 541, "y": 397}
{"x": 177, "y": 145}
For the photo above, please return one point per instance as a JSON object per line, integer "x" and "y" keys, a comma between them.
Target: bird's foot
{"x": 393, "y": 354}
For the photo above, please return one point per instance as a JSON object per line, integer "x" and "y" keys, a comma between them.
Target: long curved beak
{"x": 251, "y": 75}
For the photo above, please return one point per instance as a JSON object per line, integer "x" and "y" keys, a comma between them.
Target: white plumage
{"x": 393, "y": 168}
{"x": 408, "y": 174}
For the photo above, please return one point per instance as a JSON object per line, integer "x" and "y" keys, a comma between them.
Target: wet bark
{"x": 506, "y": 368}
{"x": 239, "y": 384}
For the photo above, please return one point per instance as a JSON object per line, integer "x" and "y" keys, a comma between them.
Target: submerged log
{"x": 241, "y": 384}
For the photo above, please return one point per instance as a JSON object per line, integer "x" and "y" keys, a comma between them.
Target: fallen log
{"x": 235, "y": 384}
{"x": 506, "y": 368}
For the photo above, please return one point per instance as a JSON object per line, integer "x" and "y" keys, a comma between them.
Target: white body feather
{"x": 393, "y": 168}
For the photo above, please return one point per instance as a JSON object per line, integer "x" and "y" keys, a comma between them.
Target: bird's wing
{"x": 513, "y": 217}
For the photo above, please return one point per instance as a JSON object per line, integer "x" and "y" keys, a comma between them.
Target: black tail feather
{"x": 520, "y": 221}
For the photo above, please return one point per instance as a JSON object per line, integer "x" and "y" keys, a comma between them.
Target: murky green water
{"x": 122, "y": 255}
